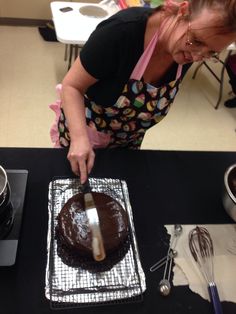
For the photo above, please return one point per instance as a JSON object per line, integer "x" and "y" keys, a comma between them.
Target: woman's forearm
{"x": 74, "y": 109}
{"x": 74, "y": 87}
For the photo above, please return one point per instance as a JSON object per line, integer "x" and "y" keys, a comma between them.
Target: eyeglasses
{"x": 197, "y": 46}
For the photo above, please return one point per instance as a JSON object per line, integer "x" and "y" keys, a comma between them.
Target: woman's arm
{"x": 99, "y": 60}
{"x": 74, "y": 86}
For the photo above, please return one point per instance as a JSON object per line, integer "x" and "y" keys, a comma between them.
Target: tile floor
{"x": 31, "y": 67}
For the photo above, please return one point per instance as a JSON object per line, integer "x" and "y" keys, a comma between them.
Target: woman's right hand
{"x": 74, "y": 87}
{"x": 81, "y": 157}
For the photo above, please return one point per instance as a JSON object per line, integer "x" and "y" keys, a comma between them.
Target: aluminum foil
{"x": 75, "y": 285}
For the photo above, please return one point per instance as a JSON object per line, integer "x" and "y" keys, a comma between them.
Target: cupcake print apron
{"x": 139, "y": 107}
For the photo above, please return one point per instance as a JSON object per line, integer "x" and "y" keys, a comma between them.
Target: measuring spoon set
{"x": 164, "y": 285}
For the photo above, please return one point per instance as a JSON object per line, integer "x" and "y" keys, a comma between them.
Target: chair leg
{"x": 196, "y": 70}
{"x": 222, "y": 80}
{"x": 221, "y": 87}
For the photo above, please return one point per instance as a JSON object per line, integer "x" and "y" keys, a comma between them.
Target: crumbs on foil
{"x": 66, "y": 284}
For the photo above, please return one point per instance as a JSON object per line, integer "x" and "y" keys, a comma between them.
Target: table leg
{"x": 70, "y": 56}
{"x": 76, "y": 51}
{"x": 66, "y": 52}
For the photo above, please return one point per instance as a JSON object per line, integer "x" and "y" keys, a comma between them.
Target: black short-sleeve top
{"x": 112, "y": 51}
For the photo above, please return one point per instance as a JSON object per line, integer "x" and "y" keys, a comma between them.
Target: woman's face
{"x": 199, "y": 39}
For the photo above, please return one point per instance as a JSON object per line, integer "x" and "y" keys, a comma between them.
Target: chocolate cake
{"x": 74, "y": 235}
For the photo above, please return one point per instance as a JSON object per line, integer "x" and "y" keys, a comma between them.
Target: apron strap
{"x": 179, "y": 72}
{"x": 143, "y": 61}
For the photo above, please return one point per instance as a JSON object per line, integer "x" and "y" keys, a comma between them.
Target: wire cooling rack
{"x": 71, "y": 287}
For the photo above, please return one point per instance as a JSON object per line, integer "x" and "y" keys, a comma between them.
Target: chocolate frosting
{"x": 73, "y": 229}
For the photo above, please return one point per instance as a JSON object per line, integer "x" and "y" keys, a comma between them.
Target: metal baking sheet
{"x": 66, "y": 284}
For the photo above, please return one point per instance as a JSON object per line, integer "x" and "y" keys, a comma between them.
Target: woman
{"x": 129, "y": 72}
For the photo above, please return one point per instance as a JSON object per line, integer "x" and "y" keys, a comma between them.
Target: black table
{"x": 165, "y": 187}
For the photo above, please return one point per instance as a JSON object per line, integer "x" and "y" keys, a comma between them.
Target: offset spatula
{"x": 94, "y": 225}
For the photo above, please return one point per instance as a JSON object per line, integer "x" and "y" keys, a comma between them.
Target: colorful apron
{"x": 139, "y": 107}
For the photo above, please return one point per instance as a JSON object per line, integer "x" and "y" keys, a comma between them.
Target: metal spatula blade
{"x": 94, "y": 224}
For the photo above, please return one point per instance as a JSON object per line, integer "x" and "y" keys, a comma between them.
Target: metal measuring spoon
{"x": 164, "y": 287}
{"x": 162, "y": 261}
{"x": 178, "y": 230}
{"x": 164, "y": 284}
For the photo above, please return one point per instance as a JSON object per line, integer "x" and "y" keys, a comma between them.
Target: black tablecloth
{"x": 164, "y": 188}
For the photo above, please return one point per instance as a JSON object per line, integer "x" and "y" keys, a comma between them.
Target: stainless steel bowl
{"x": 3, "y": 185}
{"x": 229, "y": 192}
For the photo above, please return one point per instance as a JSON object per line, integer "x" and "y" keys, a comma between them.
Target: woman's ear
{"x": 184, "y": 8}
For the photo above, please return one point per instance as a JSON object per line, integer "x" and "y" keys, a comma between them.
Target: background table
{"x": 164, "y": 188}
{"x": 72, "y": 28}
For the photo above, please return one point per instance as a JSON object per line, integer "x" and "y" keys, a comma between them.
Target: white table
{"x": 74, "y": 28}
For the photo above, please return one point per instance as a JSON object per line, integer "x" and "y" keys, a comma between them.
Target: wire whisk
{"x": 202, "y": 250}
